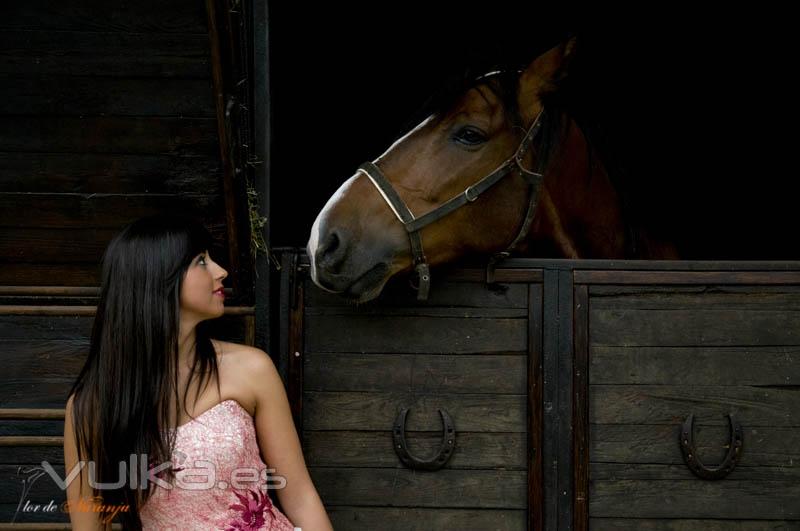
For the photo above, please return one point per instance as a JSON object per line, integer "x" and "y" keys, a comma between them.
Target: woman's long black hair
{"x": 122, "y": 396}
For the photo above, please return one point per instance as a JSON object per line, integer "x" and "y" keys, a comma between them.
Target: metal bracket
{"x": 415, "y": 463}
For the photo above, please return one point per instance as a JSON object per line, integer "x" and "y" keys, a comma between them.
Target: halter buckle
{"x": 469, "y": 196}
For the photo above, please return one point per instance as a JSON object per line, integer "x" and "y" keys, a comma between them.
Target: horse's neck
{"x": 578, "y": 212}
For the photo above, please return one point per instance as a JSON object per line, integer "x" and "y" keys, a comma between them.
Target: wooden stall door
{"x": 467, "y": 351}
{"x": 652, "y": 348}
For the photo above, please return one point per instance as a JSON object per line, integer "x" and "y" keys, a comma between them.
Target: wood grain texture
{"x": 376, "y": 411}
{"x": 671, "y": 404}
{"x": 423, "y": 373}
{"x": 411, "y": 334}
{"x": 345, "y": 518}
{"x": 473, "y": 450}
{"x": 474, "y": 489}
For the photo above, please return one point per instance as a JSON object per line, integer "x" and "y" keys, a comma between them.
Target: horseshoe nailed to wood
{"x": 690, "y": 453}
{"x": 437, "y": 461}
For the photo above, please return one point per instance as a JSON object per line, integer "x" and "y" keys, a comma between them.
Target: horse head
{"x": 495, "y": 170}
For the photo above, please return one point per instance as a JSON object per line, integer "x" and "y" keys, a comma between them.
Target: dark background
{"x": 696, "y": 105}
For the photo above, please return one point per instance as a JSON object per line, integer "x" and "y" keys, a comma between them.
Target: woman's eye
{"x": 202, "y": 259}
{"x": 470, "y": 136}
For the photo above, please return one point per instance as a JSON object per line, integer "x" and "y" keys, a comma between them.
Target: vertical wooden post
{"x": 581, "y": 408}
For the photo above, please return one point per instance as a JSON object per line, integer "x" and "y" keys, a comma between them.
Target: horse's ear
{"x": 544, "y": 73}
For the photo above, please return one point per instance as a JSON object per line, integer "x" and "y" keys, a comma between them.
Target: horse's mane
{"x": 569, "y": 99}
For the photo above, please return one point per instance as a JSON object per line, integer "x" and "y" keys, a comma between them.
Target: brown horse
{"x": 497, "y": 170}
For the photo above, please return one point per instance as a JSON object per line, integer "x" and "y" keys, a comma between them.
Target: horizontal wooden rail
{"x": 20, "y": 309}
{"x": 59, "y": 291}
{"x": 31, "y": 440}
{"x": 22, "y": 413}
{"x": 44, "y": 527}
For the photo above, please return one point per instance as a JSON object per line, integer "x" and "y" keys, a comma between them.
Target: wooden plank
{"x": 564, "y": 389}
{"x": 550, "y": 355}
{"x": 114, "y": 54}
{"x": 40, "y": 521}
{"x": 110, "y": 134}
{"x": 745, "y": 297}
{"x": 88, "y": 95}
{"x": 224, "y": 79}
{"x": 752, "y": 365}
{"x": 288, "y": 261}
{"x": 620, "y": 471}
{"x": 42, "y": 489}
{"x": 79, "y": 211}
{"x": 42, "y": 292}
{"x": 297, "y": 324}
{"x": 416, "y": 373}
{"x": 68, "y": 327}
{"x": 651, "y": 265}
{"x": 45, "y": 327}
{"x": 147, "y": 16}
{"x": 535, "y": 408}
{"x": 25, "y": 245}
{"x": 580, "y": 410}
{"x": 671, "y": 404}
{"x": 475, "y": 489}
{"x": 654, "y": 444}
{"x": 692, "y": 277}
{"x": 501, "y": 275}
{"x": 641, "y": 524}
{"x": 444, "y": 293}
{"x": 346, "y": 518}
{"x": 33, "y": 428}
{"x": 414, "y": 334}
{"x": 88, "y": 173}
{"x": 422, "y": 311}
{"x": 260, "y": 115}
{"x": 33, "y": 414}
{"x": 776, "y": 499}
{"x": 473, "y": 451}
{"x": 45, "y": 245}
{"x": 31, "y": 442}
{"x": 38, "y": 274}
{"x": 34, "y": 392}
{"x": 25, "y": 453}
{"x": 377, "y": 411}
{"x": 26, "y": 358}
{"x": 732, "y": 327}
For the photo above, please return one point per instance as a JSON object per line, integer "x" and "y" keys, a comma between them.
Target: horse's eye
{"x": 470, "y": 136}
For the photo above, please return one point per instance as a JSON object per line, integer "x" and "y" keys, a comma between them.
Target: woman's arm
{"x": 81, "y": 520}
{"x": 280, "y": 445}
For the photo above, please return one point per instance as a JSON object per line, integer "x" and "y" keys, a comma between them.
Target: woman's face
{"x": 201, "y": 292}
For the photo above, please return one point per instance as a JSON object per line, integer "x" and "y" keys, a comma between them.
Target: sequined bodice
{"x": 220, "y": 478}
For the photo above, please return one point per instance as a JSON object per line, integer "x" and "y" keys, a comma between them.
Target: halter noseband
{"x": 413, "y": 224}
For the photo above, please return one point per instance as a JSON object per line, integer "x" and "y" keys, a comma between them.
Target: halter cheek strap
{"x": 413, "y": 225}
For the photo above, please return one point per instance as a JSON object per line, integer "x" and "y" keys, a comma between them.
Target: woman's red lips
{"x": 220, "y": 292}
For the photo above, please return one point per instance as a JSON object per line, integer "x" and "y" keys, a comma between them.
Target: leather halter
{"x": 413, "y": 225}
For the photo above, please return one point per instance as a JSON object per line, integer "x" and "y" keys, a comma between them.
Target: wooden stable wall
{"x": 43, "y": 351}
{"x": 663, "y": 345}
{"x": 568, "y": 384}
{"x": 466, "y": 350}
{"x": 107, "y": 114}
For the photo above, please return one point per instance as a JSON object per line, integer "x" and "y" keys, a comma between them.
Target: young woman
{"x": 179, "y": 426}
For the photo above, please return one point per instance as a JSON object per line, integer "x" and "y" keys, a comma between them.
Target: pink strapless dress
{"x": 225, "y": 436}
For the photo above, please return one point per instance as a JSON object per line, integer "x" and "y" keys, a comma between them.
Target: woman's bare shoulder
{"x": 245, "y": 368}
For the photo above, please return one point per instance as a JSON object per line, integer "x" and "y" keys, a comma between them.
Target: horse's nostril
{"x": 331, "y": 252}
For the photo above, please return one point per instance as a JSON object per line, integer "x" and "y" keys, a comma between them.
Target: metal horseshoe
{"x": 415, "y": 463}
{"x": 690, "y": 453}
